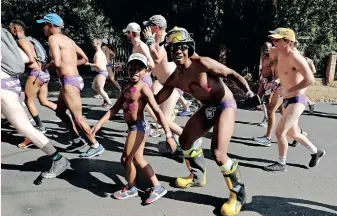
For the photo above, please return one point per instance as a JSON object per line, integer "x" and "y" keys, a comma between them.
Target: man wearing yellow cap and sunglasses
{"x": 202, "y": 78}
{"x": 295, "y": 76}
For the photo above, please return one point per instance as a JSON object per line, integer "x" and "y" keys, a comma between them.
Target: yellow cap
{"x": 285, "y": 33}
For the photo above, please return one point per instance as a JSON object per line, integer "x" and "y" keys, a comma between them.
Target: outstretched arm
{"x": 163, "y": 94}
{"x": 114, "y": 109}
{"x": 92, "y": 64}
{"x": 220, "y": 70}
{"x": 108, "y": 115}
{"x": 155, "y": 107}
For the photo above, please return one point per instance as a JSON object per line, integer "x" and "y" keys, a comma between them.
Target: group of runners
{"x": 171, "y": 58}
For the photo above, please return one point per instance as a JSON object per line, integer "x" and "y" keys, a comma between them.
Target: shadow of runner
{"x": 322, "y": 114}
{"x": 80, "y": 175}
{"x": 242, "y": 160}
{"x": 264, "y": 205}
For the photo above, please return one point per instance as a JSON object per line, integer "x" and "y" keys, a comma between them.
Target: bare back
{"x": 138, "y": 49}
{"x": 100, "y": 60}
{"x": 26, "y": 44}
{"x": 134, "y": 102}
{"x": 66, "y": 49}
{"x": 205, "y": 87}
{"x": 107, "y": 52}
{"x": 165, "y": 68}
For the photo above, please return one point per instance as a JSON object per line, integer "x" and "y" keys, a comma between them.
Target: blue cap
{"x": 52, "y": 19}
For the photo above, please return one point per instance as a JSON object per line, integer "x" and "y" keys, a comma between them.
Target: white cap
{"x": 138, "y": 57}
{"x": 132, "y": 27}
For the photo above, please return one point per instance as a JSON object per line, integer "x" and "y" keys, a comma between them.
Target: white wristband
{"x": 249, "y": 93}
{"x": 168, "y": 135}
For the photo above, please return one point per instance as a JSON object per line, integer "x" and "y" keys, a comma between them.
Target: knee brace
{"x": 237, "y": 193}
{"x": 196, "y": 160}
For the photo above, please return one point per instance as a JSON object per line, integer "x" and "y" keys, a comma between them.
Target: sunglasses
{"x": 275, "y": 39}
{"x": 133, "y": 70}
{"x": 182, "y": 47}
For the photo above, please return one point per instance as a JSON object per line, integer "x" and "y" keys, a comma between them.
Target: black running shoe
{"x": 77, "y": 146}
{"x": 315, "y": 158}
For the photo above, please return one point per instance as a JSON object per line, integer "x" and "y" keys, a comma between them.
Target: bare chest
{"x": 192, "y": 82}
{"x": 131, "y": 96}
{"x": 285, "y": 69}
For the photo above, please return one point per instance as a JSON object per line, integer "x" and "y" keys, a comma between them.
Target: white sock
{"x": 312, "y": 149}
{"x": 227, "y": 166}
{"x": 282, "y": 160}
{"x": 96, "y": 145}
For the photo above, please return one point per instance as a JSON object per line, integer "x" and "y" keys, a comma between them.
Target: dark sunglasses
{"x": 182, "y": 47}
{"x": 133, "y": 70}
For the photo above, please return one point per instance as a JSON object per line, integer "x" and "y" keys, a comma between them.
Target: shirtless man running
{"x": 37, "y": 82}
{"x": 100, "y": 65}
{"x": 132, "y": 31}
{"x": 271, "y": 84}
{"x": 109, "y": 55}
{"x": 295, "y": 76}
{"x": 155, "y": 34}
{"x": 63, "y": 52}
{"x": 13, "y": 61}
{"x": 202, "y": 78}
{"x": 313, "y": 69}
{"x": 266, "y": 75}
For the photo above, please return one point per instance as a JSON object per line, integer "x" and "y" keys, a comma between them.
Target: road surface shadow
{"x": 11, "y": 136}
{"x": 80, "y": 175}
{"x": 239, "y": 140}
{"x": 322, "y": 114}
{"x": 242, "y": 160}
{"x": 246, "y": 123}
{"x": 264, "y": 205}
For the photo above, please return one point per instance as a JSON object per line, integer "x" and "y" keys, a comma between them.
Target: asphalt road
{"x": 86, "y": 189}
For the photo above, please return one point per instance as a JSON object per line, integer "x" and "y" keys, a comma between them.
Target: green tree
{"x": 314, "y": 20}
{"x": 82, "y": 22}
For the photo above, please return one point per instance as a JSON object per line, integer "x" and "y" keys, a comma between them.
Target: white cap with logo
{"x": 138, "y": 57}
{"x": 132, "y": 27}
